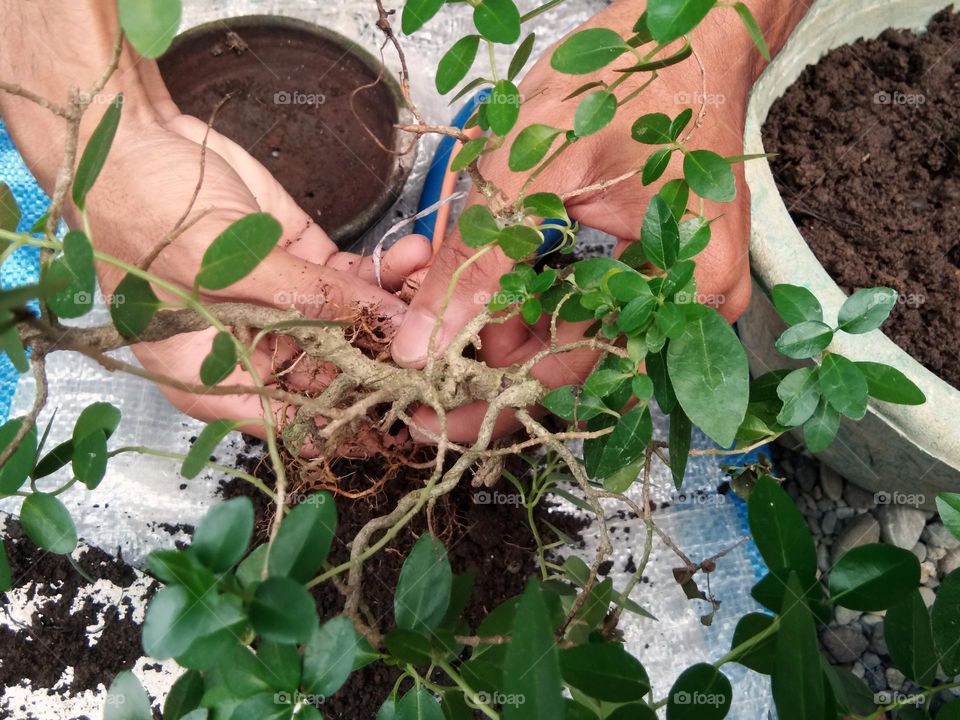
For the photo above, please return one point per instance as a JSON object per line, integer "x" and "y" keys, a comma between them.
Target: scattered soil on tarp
{"x": 293, "y": 107}
{"x": 868, "y": 144}
{"x": 491, "y": 539}
{"x": 56, "y": 637}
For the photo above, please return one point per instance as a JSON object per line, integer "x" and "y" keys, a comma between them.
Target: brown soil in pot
{"x": 868, "y": 144}
{"x": 293, "y": 107}
{"x": 491, "y": 540}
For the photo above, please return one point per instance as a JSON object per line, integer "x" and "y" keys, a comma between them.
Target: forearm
{"x": 51, "y": 49}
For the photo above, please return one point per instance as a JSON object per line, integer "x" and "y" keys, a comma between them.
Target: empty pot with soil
{"x": 311, "y": 105}
{"x": 864, "y": 201}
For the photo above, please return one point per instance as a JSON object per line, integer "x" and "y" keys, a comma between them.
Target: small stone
{"x": 829, "y": 522}
{"x": 817, "y": 493}
{"x": 928, "y": 596}
{"x": 846, "y": 616}
{"x": 861, "y": 530}
{"x": 901, "y": 525}
{"x": 936, "y": 535}
{"x": 806, "y": 476}
{"x": 920, "y": 550}
{"x": 845, "y": 644}
{"x": 870, "y": 620}
{"x": 858, "y": 669}
{"x": 823, "y": 558}
{"x": 950, "y": 562}
{"x": 878, "y": 642}
{"x": 895, "y": 679}
{"x": 871, "y": 660}
{"x": 831, "y": 483}
{"x": 927, "y": 570}
{"x": 936, "y": 553}
{"x": 845, "y": 513}
{"x": 858, "y": 498}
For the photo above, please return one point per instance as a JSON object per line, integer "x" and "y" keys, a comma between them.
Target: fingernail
{"x": 410, "y": 345}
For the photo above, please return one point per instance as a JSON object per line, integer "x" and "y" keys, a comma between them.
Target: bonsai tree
{"x": 241, "y": 620}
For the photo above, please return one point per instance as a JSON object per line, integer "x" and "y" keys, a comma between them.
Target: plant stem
{"x": 540, "y": 10}
{"x": 467, "y": 690}
{"x": 253, "y": 480}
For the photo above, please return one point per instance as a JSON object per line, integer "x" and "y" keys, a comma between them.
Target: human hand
{"x": 722, "y": 269}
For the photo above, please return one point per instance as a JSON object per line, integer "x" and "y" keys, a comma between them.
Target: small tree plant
{"x": 241, "y": 621}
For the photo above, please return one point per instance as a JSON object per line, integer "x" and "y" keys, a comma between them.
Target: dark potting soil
{"x": 292, "y": 106}
{"x": 868, "y": 144}
{"x": 56, "y": 638}
{"x": 491, "y": 539}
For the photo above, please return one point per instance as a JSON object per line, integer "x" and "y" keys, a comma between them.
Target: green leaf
{"x": 669, "y": 19}
{"x": 604, "y": 671}
{"x": 328, "y": 657}
{"x": 633, "y": 711}
{"x": 949, "y": 506}
{"x": 843, "y": 386}
{"x": 180, "y": 567}
{"x": 852, "y": 693}
{"x": 781, "y": 533}
{"x": 700, "y": 693}
{"x": 874, "y": 577}
{"x": 594, "y": 113}
{"x": 498, "y": 21}
{"x": 805, "y": 340}
{"x": 283, "y": 611}
{"x": 660, "y": 234}
{"x": 456, "y": 62}
{"x": 549, "y": 206}
{"x": 16, "y": 469}
{"x": 247, "y": 675}
{"x": 238, "y": 251}
{"x": 531, "y": 145}
{"x": 204, "y": 445}
{"x": 670, "y": 319}
{"x": 656, "y": 165}
{"x": 531, "y": 668}
{"x": 652, "y": 129}
{"x": 531, "y": 310}
{"x": 304, "y": 538}
{"x": 409, "y": 647}
{"x": 133, "y": 306}
{"x": 662, "y": 386}
{"x": 708, "y": 369}
{"x": 96, "y": 416}
{"x": 12, "y": 346}
{"x": 604, "y": 382}
{"x": 694, "y": 237}
{"x": 588, "y": 51}
{"x": 820, "y": 430}
{"x": 416, "y": 13}
{"x": 760, "y": 657}
{"x": 10, "y": 214}
{"x": 908, "y": 633}
{"x": 423, "y": 590}
{"x": 47, "y": 522}
{"x": 890, "y": 385}
{"x": 184, "y": 696}
{"x": 797, "y": 680}
{"x": 521, "y": 56}
{"x": 221, "y": 361}
{"x": 800, "y": 393}
{"x": 796, "y": 304}
{"x": 709, "y": 175}
{"x": 627, "y": 286}
{"x": 418, "y": 704}
{"x": 174, "y": 620}
{"x": 89, "y": 460}
{"x": 387, "y": 711}
{"x": 468, "y": 153}
{"x": 263, "y": 706}
{"x": 250, "y": 570}
{"x": 478, "y": 226}
{"x": 945, "y": 616}
{"x": 98, "y": 147}
{"x": 753, "y": 28}
{"x": 681, "y": 431}
{"x": 627, "y": 442}
{"x": 127, "y": 700}
{"x": 519, "y": 242}
{"x": 76, "y": 269}
{"x": 222, "y": 536}
{"x": 866, "y": 309}
{"x": 503, "y": 107}
{"x": 150, "y": 25}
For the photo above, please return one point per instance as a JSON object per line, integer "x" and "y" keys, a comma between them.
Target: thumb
{"x": 466, "y": 300}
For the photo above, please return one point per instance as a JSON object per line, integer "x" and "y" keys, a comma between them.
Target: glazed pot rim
{"x": 404, "y": 155}
{"x": 778, "y": 251}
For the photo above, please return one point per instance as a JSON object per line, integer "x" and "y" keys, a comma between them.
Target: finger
{"x": 407, "y": 256}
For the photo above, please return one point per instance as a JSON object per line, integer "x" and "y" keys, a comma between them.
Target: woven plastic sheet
{"x": 142, "y": 496}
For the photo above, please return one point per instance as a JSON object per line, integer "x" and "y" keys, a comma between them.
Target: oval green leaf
{"x": 874, "y": 577}
{"x": 47, "y": 522}
{"x": 423, "y": 590}
{"x": 222, "y": 536}
{"x": 238, "y": 250}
